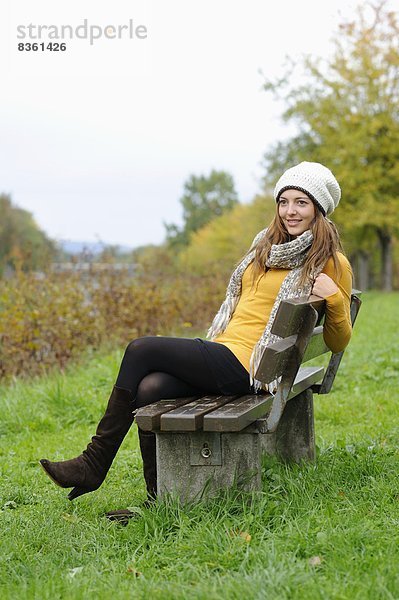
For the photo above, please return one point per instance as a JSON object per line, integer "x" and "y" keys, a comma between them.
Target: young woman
{"x": 298, "y": 254}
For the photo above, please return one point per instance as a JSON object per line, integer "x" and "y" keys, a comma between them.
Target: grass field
{"x": 324, "y": 530}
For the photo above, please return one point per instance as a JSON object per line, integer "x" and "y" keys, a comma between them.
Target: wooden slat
{"x": 275, "y": 358}
{"x": 284, "y": 356}
{"x": 316, "y": 345}
{"x": 306, "y": 377}
{"x": 190, "y": 416}
{"x": 238, "y": 414}
{"x": 148, "y": 418}
{"x": 288, "y": 318}
{"x": 335, "y": 359}
{"x": 291, "y": 313}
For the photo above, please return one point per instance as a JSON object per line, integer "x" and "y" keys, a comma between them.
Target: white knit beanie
{"x": 315, "y": 180}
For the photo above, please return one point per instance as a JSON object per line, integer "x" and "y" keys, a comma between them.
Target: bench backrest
{"x": 299, "y": 323}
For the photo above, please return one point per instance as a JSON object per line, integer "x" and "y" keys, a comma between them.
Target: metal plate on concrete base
{"x": 205, "y": 449}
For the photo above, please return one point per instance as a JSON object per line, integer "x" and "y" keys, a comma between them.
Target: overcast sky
{"x": 98, "y": 140}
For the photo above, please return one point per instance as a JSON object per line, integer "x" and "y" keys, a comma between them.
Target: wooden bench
{"x": 213, "y": 442}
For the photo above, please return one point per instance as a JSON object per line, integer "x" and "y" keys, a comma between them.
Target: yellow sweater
{"x": 256, "y": 301}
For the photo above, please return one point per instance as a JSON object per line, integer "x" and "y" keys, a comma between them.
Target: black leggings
{"x": 164, "y": 367}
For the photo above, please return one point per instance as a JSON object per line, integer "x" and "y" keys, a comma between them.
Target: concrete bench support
{"x": 198, "y": 464}
{"x": 294, "y": 439}
{"x": 295, "y": 435}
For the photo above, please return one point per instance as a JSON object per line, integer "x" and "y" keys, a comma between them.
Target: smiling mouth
{"x": 293, "y": 222}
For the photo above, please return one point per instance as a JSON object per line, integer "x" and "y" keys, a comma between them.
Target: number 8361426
{"x": 42, "y": 47}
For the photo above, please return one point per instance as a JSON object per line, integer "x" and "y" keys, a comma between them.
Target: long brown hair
{"x": 326, "y": 244}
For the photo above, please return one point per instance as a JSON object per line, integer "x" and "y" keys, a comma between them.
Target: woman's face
{"x": 297, "y": 211}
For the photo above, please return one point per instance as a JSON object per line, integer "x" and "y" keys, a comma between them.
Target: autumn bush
{"x": 46, "y": 321}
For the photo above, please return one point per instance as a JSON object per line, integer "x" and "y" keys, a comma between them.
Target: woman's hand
{"x": 324, "y": 286}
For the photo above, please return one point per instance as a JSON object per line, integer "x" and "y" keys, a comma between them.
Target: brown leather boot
{"x": 149, "y": 455}
{"x": 86, "y": 472}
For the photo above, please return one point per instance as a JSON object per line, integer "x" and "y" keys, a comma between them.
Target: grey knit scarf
{"x": 290, "y": 255}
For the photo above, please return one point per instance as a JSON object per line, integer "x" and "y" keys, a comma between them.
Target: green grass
{"x": 343, "y": 510}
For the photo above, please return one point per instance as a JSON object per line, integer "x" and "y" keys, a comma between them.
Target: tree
{"x": 347, "y": 113}
{"x": 22, "y": 244}
{"x": 222, "y": 242}
{"x": 204, "y": 199}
